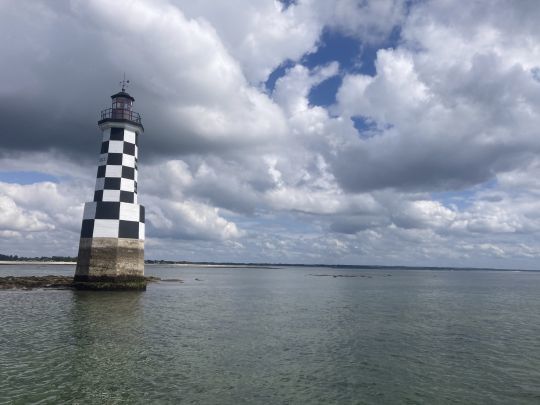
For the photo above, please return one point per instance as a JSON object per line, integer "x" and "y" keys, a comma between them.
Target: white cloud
{"x": 440, "y": 117}
{"x": 262, "y": 34}
{"x": 14, "y": 218}
{"x": 394, "y": 96}
{"x": 188, "y": 219}
{"x": 370, "y": 21}
{"x": 229, "y": 172}
{"x": 423, "y": 214}
{"x": 259, "y": 34}
{"x": 191, "y": 72}
{"x": 292, "y": 89}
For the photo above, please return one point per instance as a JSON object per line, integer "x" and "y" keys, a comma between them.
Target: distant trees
{"x": 16, "y": 258}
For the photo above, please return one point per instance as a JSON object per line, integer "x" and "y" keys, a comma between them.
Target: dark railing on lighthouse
{"x": 121, "y": 110}
{"x": 121, "y": 114}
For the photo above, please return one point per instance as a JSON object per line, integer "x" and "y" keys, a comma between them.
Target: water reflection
{"x": 107, "y": 345}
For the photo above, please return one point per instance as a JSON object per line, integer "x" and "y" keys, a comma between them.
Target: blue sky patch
{"x": 352, "y": 55}
{"x": 287, "y": 3}
{"x": 369, "y": 52}
{"x": 334, "y": 46}
{"x": 536, "y": 73}
{"x": 462, "y": 199}
{"x": 362, "y": 124}
{"x": 280, "y": 71}
{"x": 26, "y": 177}
{"x": 324, "y": 94}
{"x": 368, "y": 127}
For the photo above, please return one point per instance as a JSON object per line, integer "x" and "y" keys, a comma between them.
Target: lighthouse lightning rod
{"x": 124, "y": 82}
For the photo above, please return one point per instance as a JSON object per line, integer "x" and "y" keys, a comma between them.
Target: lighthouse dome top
{"x": 122, "y": 94}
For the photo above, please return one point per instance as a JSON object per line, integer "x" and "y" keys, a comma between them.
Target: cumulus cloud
{"x": 370, "y": 21}
{"x": 189, "y": 220}
{"x": 430, "y": 160}
{"x": 183, "y": 71}
{"x": 15, "y": 218}
{"x": 423, "y": 214}
{"x": 260, "y": 34}
{"x": 441, "y": 117}
{"x": 40, "y": 218}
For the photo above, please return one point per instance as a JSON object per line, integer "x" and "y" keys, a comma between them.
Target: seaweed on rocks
{"x": 66, "y": 282}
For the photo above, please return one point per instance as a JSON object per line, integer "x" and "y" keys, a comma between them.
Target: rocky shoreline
{"x": 67, "y": 283}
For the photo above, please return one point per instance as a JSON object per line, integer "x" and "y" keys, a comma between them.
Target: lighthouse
{"x": 111, "y": 248}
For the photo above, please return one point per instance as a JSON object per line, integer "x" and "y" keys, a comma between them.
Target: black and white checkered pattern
{"x": 115, "y": 213}
{"x": 117, "y": 170}
{"x": 113, "y": 219}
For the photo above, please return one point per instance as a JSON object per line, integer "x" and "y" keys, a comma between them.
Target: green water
{"x": 276, "y": 336}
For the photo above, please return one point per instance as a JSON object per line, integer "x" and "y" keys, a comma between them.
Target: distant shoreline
{"x": 277, "y": 265}
{"x": 30, "y": 262}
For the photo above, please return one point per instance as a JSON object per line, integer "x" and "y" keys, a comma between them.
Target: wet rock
{"x": 31, "y": 282}
{"x": 66, "y": 282}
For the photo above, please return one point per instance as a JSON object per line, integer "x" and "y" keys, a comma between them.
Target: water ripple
{"x": 277, "y": 336}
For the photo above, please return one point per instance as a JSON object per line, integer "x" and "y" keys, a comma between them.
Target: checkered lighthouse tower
{"x": 112, "y": 233}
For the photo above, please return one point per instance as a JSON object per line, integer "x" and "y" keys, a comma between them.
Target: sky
{"x": 311, "y": 131}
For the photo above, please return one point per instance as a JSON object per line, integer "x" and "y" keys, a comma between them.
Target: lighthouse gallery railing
{"x": 121, "y": 114}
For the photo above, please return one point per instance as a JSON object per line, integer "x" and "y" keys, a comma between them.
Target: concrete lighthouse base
{"x": 110, "y": 263}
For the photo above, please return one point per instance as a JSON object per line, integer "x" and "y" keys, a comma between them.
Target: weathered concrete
{"x": 110, "y": 259}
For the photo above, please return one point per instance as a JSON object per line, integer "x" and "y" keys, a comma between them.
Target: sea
{"x": 283, "y": 335}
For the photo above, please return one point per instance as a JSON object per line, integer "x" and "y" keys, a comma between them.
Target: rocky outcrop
{"x": 64, "y": 282}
